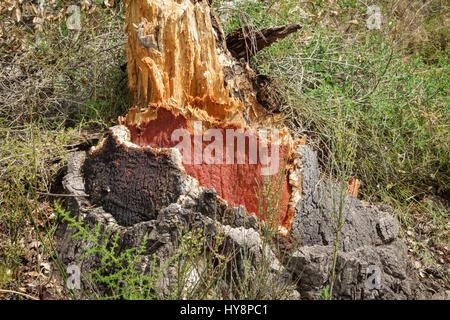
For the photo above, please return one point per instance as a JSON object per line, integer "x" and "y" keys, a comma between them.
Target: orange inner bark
{"x": 238, "y": 184}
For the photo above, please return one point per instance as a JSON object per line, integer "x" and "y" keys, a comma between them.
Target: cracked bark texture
{"x": 130, "y": 183}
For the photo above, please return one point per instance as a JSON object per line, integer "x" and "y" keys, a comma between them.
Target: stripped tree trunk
{"x": 189, "y": 93}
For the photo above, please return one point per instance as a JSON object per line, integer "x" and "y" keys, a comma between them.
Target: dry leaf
{"x": 11, "y": 5}
{"x": 45, "y": 266}
{"x": 39, "y": 28}
{"x": 85, "y": 4}
{"x": 34, "y": 244}
{"x": 32, "y": 285}
{"x": 38, "y": 20}
{"x": 18, "y": 15}
{"x": 33, "y": 274}
{"x": 108, "y": 3}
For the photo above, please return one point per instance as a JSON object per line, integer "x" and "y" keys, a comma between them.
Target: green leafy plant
{"x": 119, "y": 274}
{"x": 341, "y": 166}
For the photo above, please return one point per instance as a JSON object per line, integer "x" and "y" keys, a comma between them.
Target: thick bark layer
{"x": 377, "y": 244}
{"x": 196, "y": 208}
{"x": 129, "y": 182}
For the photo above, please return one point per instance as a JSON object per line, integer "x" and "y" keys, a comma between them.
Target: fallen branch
{"x": 19, "y": 293}
{"x": 246, "y": 41}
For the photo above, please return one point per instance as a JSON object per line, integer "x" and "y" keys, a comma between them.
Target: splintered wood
{"x": 172, "y": 59}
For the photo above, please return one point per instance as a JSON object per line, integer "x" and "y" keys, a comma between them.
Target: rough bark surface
{"x": 132, "y": 184}
{"x": 369, "y": 237}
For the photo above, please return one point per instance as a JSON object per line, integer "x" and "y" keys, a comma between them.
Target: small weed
{"x": 119, "y": 274}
